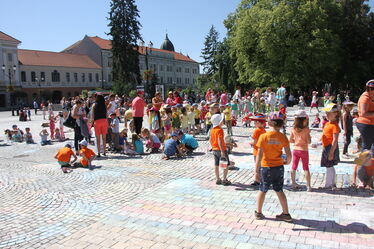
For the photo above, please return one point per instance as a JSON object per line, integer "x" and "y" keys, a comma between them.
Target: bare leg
{"x": 293, "y": 176}
{"x": 307, "y": 178}
{"x": 216, "y": 171}
{"x": 104, "y": 143}
{"x": 283, "y": 201}
{"x": 225, "y": 171}
{"x": 98, "y": 144}
{"x": 260, "y": 201}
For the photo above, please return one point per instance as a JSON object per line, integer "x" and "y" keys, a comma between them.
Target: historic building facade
{"x": 87, "y": 64}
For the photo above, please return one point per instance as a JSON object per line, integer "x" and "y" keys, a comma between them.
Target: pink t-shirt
{"x": 138, "y": 105}
{"x": 300, "y": 139}
{"x": 223, "y": 99}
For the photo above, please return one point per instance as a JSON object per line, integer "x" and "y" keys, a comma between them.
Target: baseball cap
{"x": 301, "y": 114}
{"x": 258, "y": 116}
{"x": 331, "y": 108}
{"x": 216, "y": 119}
{"x": 370, "y": 83}
{"x": 84, "y": 143}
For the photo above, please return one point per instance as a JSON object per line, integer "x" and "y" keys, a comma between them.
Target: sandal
{"x": 226, "y": 182}
{"x": 255, "y": 183}
{"x": 295, "y": 186}
{"x": 219, "y": 182}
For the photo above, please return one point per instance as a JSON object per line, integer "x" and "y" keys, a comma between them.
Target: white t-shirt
{"x": 314, "y": 99}
{"x": 113, "y": 107}
{"x": 115, "y": 123}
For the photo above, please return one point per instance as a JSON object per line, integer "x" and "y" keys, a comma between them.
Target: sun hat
{"x": 301, "y": 114}
{"x": 363, "y": 158}
{"x": 370, "y": 83}
{"x": 258, "y": 117}
{"x": 84, "y": 143}
{"x": 276, "y": 116}
{"x": 195, "y": 105}
{"x": 331, "y": 108}
{"x": 216, "y": 119}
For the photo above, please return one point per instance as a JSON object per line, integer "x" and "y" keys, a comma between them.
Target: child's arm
{"x": 253, "y": 142}
{"x": 258, "y": 164}
{"x": 309, "y": 138}
{"x": 56, "y": 155}
{"x": 220, "y": 144}
{"x": 288, "y": 154}
{"x": 334, "y": 145}
{"x": 354, "y": 175}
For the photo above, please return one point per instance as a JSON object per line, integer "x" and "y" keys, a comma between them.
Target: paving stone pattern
{"x": 145, "y": 202}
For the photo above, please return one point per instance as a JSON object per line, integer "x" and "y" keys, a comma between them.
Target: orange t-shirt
{"x": 64, "y": 154}
{"x": 256, "y": 134}
{"x": 272, "y": 143}
{"x": 300, "y": 139}
{"x": 88, "y": 153}
{"x": 369, "y": 169}
{"x": 216, "y": 134}
{"x": 330, "y": 129}
{"x": 365, "y": 99}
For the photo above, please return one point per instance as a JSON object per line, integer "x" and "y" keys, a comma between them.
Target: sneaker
{"x": 284, "y": 217}
{"x": 259, "y": 216}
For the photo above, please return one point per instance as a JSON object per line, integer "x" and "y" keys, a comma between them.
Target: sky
{"x": 55, "y": 25}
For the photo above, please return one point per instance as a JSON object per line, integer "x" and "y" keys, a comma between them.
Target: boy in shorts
{"x": 63, "y": 157}
{"x": 217, "y": 142}
{"x": 269, "y": 165}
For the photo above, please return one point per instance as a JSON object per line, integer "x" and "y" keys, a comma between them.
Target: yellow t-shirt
{"x": 227, "y": 113}
{"x": 197, "y": 113}
{"x": 207, "y": 118}
{"x": 272, "y": 143}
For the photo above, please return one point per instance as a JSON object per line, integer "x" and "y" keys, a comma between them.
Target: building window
{"x": 179, "y": 69}
{"x": 194, "y": 71}
{"x": 187, "y": 70}
{"x": 169, "y": 68}
{"x": 90, "y": 77}
{"x": 33, "y": 76}
{"x": 55, "y": 76}
{"x": 110, "y": 63}
{"x": 170, "y": 80}
{"x": 75, "y": 77}
{"x": 97, "y": 77}
{"x": 23, "y": 76}
{"x": 161, "y": 68}
{"x": 67, "y": 77}
{"x": 83, "y": 77}
{"x": 161, "y": 79}
{"x": 10, "y": 57}
{"x": 109, "y": 78}
{"x": 42, "y": 76}
{"x": 187, "y": 81}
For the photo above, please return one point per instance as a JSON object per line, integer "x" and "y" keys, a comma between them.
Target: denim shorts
{"x": 217, "y": 157}
{"x": 272, "y": 176}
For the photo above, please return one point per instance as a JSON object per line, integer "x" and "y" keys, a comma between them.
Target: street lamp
{"x": 39, "y": 86}
{"x": 3, "y": 67}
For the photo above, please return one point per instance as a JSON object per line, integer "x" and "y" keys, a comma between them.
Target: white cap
{"x": 216, "y": 119}
{"x": 301, "y": 114}
{"x": 84, "y": 143}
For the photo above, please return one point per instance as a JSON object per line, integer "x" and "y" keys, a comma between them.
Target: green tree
{"x": 226, "y": 74}
{"x": 285, "y": 42}
{"x": 125, "y": 34}
{"x": 209, "y": 52}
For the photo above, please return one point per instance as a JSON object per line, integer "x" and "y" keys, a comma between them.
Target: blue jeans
{"x": 367, "y": 136}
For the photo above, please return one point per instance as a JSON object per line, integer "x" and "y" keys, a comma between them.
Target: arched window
{"x": 55, "y": 76}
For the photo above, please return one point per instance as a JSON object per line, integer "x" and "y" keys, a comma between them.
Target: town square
{"x": 110, "y": 140}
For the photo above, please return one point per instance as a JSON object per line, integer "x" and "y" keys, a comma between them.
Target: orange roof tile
{"x": 6, "y": 37}
{"x": 54, "y": 59}
{"x": 107, "y": 45}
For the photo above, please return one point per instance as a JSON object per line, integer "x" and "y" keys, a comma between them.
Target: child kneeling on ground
{"x": 87, "y": 155}
{"x": 364, "y": 170}
{"x": 269, "y": 164}
{"x": 172, "y": 147}
{"x": 63, "y": 157}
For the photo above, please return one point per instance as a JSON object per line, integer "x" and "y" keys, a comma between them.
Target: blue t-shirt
{"x": 139, "y": 147}
{"x": 189, "y": 140}
{"x": 170, "y": 148}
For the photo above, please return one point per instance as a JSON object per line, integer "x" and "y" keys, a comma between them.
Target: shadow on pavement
{"x": 332, "y": 226}
{"x": 347, "y": 191}
{"x": 244, "y": 187}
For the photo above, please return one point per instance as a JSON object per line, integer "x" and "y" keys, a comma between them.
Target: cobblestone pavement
{"x": 144, "y": 202}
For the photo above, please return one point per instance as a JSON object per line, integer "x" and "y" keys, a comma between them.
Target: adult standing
{"x": 157, "y": 101}
{"x": 100, "y": 123}
{"x": 78, "y": 114}
{"x": 138, "y": 105}
{"x": 237, "y": 94}
{"x": 224, "y": 98}
{"x": 365, "y": 121}
{"x": 36, "y": 106}
{"x": 281, "y": 95}
{"x": 177, "y": 98}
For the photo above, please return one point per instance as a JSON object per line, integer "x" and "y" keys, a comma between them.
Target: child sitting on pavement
{"x": 153, "y": 142}
{"x": 63, "y": 157}
{"x": 171, "y": 147}
{"x": 364, "y": 170}
{"x": 137, "y": 144}
{"x": 44, "y": 137}
{"x": 219, "y": 148}
{"x": 87, "y": 155}
{"x": 28, "y": 136}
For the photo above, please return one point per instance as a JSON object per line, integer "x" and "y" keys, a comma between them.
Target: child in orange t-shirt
{"x": 217, "y": 142}
{"x": 300, "y": 136}
{"x": 260, "y": 122}
{"x": 364, "y": 170}
{"x": 330, "y": 136}
{"x": 87, "y": 155}
{"x": 269, "y": 165}
{"x": 63, "y": 157}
